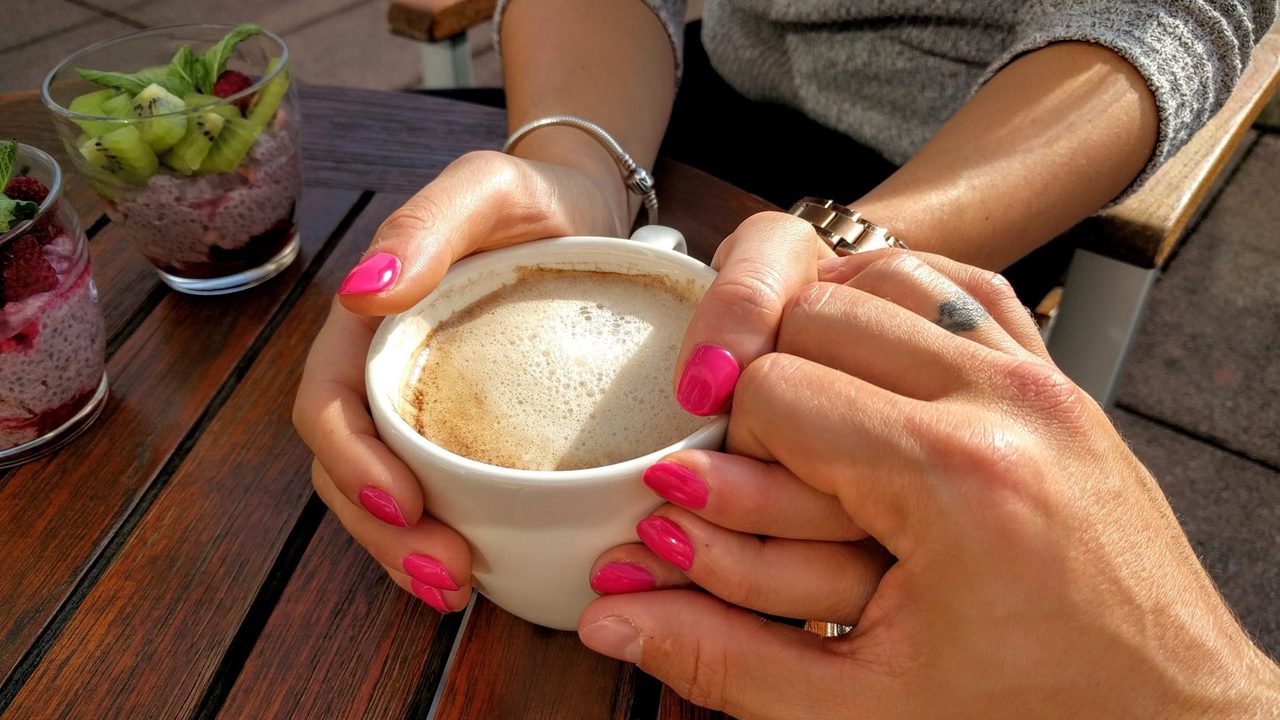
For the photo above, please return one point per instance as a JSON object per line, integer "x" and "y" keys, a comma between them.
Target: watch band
{"x": 844, "y": 229}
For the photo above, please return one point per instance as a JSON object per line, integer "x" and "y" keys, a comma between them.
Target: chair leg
{"x": 446, "y": 64}
{"x": 1102, "y": 303}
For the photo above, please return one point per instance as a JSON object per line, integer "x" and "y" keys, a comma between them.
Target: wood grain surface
{"x": 164, "y": 378}
{"x": 343, "y": 641}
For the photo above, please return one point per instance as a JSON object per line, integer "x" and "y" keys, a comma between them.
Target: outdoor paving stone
{"x": 1230, "y": 508}
{"x": 355, "y": 49}
{"x": 55, "y": 16}
{"x": 281, "y": 16}
{"x": 1207, "y": 356}
{"x": 25, "y": 67}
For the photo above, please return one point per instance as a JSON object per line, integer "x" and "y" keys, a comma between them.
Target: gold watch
{"x": 844, "y": 229}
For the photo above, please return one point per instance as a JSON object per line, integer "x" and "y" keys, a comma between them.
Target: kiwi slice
{"x": 91, "y": 104}
{"x": 231, "y": 147}
{"x": 161, "y": 133}
{"x": 122, "y": 155}
{"x": 186, "y": 156}
{"x": 213, "y": 103}
{"x": 119, "y": 106}
{"x": 269, "y": 97}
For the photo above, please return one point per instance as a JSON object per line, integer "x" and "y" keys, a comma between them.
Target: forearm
{"x": 609, "y": 61}
{"x": 1048, "y": 141}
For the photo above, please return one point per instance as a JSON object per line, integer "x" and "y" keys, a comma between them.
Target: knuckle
{"x": 497, "y": 170}
{"x": 890, "y": 267}
{"x": 994, "y": 288}
{"x": 774, "y": 369}
{"x": 316, "y": 471}
{"x": 979, "y": 447}
{"x": 751, "y": 291}
{"x": 1045, "y": 390}
{"x": 772, "y": 221}
{"x": 810, "y": 298}
{"x": 409, "y": 221}
{"x": 485, "y": 162}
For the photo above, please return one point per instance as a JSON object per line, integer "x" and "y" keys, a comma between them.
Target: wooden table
{"x": 174, "y": 562}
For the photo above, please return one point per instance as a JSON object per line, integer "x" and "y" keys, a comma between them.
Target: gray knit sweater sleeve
{"x": 670, "y": 12}
{"x": 1191, "y": 52}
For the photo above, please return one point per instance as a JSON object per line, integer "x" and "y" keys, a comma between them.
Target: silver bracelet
{"x": 635, "y": 178}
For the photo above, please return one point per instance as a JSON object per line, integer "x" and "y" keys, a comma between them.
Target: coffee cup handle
{"x": 661, "y": 236}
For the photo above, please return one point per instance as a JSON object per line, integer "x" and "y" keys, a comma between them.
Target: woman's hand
{"x": 484, "y": 200}
{"x": 1039, "y": 570}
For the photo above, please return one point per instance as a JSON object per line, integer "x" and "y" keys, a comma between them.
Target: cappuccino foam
{"x": 560, "y": 370}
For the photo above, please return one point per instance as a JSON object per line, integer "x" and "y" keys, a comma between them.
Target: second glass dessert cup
{"x": 204, "y": 176}
{"x": 52, "y": 341}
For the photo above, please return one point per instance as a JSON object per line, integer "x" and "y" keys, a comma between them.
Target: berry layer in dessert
{"x": 51, "y": 330}
{"x": 197, "y": 162}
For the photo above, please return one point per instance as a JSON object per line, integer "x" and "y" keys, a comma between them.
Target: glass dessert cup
{"x": 52, "y": 341}
{"x": 206, "y": 184}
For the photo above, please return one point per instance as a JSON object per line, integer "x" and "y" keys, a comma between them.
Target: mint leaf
{"x": 215, "y": 58}
{"x": 182, "y": 68}
{"x": 133, "y": 83}
{"x": 13, "y": 212}
{"x": 8, "y": 153}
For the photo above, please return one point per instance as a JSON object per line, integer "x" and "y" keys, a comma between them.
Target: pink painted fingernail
{"x": 677, "y": 484}
{"x": 614, "y": 637}
{"x": 374, "y": 274}
{"x": 617, "y": 578}
{"x": 381, "y": 505}
{"x": 666, "y": 540}
{"x": 708, "y": 380}
{"x": 430, "y": 596}
{"x": 428, "y": 571}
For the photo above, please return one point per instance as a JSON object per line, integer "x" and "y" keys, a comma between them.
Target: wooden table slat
{"x": 204, "y": 546}
{"x": 344, "y": 641}
{"x": 342, "y": 635}
{"x": 508, "y": 668}
{"x": 126, "y": 281}
{"x": 404, "y": 138}
{"x": 83, "y": 494}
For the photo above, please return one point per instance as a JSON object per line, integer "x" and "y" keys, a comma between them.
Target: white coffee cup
{"x": 534, "y": 534}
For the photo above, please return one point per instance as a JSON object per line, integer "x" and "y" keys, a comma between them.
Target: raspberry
{"x": 231, "y": 82}
{"x": 26, "y": 187}
{"x": 46, "y": 228}
{"x": 24, "y": 271}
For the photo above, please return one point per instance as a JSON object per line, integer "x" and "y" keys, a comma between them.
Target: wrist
{"x": 571, "y": 148}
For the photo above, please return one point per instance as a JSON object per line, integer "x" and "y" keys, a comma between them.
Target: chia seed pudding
{"x": 211, "y": 226}
{"x": 195, "y": 154}
{"x": 52, "y": 339}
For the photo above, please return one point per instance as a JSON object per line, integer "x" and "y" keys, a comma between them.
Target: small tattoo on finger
{"x": 960, "y": 313}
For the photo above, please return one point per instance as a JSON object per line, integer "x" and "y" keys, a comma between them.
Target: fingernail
{"x": 617, "y": 578}
{"x": 381, "y": 505}
{"x": 428, "y": 571}
{"x": 666, "y": 540}
{"x": 374, "y": 274}
{"x": 430, "y": 596}
{"x": 677, "y": 484}
{"x": 828, "y": 266}
{"x": 614, "y": 637}
{"x": 708, "y": 379}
